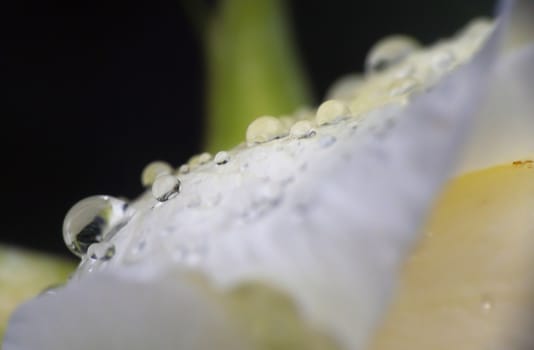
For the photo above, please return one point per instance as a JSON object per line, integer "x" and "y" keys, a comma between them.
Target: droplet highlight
{"x": 93, "y": 220}
{"x": 165, "y": 187}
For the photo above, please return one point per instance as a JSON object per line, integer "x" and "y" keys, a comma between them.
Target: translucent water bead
{"x": 331, "y": 111}
{"x": 93, "y": 220}
{"x": 345, "y": 88}
{"x": 101, "y": 251}
{"x": 198, "y": 160}
{"x": 221, "y": 158}
{"x": 302, "y": 129}
{"x": 390, "y": 51}
{"x": 153, "y": 170}
{"x": 165, "y": 187}
{"x": 265, "y": 129}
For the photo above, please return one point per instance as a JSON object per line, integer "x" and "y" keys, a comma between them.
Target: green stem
{"x": 253, "y": 68}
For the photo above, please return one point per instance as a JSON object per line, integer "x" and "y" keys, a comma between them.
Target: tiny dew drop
{"x": 198, "y": 160}
{"x": 183, "y": 169}
{"x": 443, "y": 61}
{"x": 221, "y": 158}
{"x": 331, "y": 111}
{"x": 345, "y": 88}
{"x": 153, "y": 170}
{"x": 302, "y": 129}
{"x": 389, "y": 51}
{"x": 402, "y": 87}
{"x": 165, "y": 187}
{"x": 93, "y": 220}
{"x": 101, "y": 251}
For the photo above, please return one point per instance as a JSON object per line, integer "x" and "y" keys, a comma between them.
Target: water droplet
{"x": 331, "y": 111}
{"x": 389, "y": 51}
{"x": 198, "y": 160}
{"x": 476, "y": 30}
{"x": 153, "y": 170}
{"x": 443, "y": 61}
{"x": 302, "y": 129}
{"x": 222, "y": 158}
{"x": 406, "y": 70}
{"x": 183, "y": 169}
{"x": 402, "y": 87}
{"x": 326, "y": 141}
{"x": 304, "y": 113}
{"x": 487, "y": 303}
{"x": 265, "y": 129}
{"x": 101, "y": 251}
{"x": 92, "y": 220}
{"x": 345, "y": 88}
{"x": 287, "y": 122}
{"x": 165, "y": 187}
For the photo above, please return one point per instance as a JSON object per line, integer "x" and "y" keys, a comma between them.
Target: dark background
{"x": 93, "y": 91}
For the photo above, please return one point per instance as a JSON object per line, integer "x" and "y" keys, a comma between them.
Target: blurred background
{"x": 93, "y": 91}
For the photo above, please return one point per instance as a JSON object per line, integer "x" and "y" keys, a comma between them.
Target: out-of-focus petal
{"x": 505, "y": 121}
{"x": 104, "y": 311}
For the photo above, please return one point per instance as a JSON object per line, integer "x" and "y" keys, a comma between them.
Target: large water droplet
{"x": 101, "y": 251}
{"x": 390, "y": 51}
{"x": 165, "y": 187}
{"x": 265, "y": 129}
{"x": 153, "y": 170}
{"x": 93, "y": 220}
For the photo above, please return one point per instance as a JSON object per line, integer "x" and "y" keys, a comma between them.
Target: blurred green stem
{"x": 252, "y": 68}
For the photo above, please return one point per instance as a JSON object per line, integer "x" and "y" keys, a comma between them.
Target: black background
{"x": 93, "y": 91}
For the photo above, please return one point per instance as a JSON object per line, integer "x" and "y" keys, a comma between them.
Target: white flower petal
{"x": 327, "y": 220}
{"x": 505, "y": 120}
